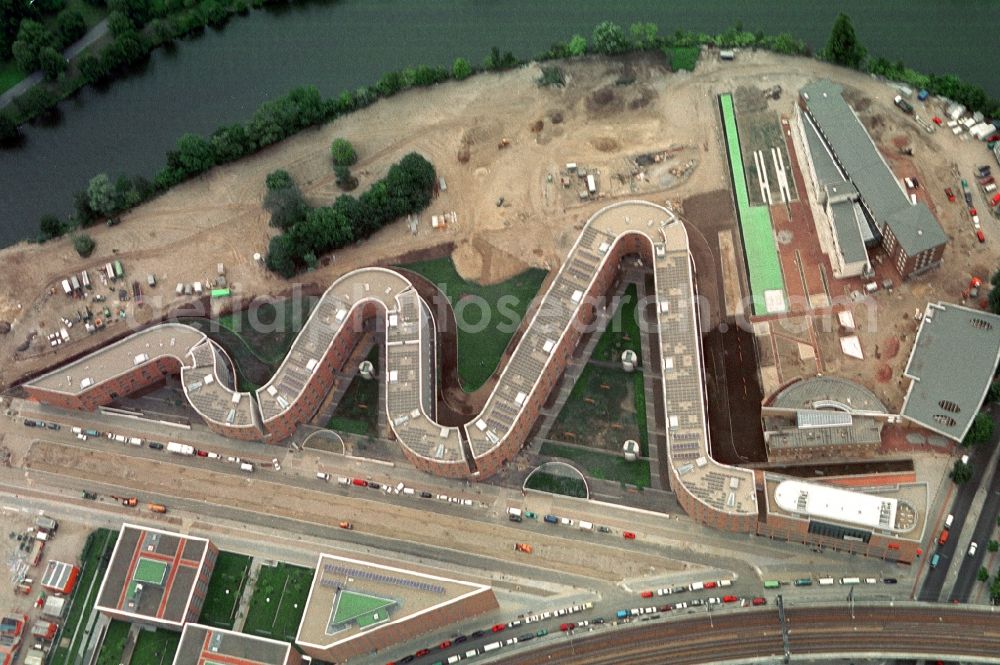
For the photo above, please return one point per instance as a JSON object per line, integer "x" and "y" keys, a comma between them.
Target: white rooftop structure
{"x": 832, "y": 503}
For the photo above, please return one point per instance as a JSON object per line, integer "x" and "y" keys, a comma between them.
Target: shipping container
{"x": 119, "y": 270}
{"x": 85, "y": 279}
{"x": 67, "y": 289}
{"x": 151, "y": 280}
{"x": 180, "y": 289}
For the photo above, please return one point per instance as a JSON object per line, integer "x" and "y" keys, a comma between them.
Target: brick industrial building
{"x": 156, "y": 578}
{"x": 860, "y": 179}
{"x": 715, "y": 494}
{"x": 357, "y": 607}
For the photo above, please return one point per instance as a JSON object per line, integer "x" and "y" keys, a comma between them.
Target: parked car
{"x": 972, "y": 548}
{"x": 500, "y": 627}
{"x": 647, "y": 594}
{"x": 628, "y": 535}
{"x": 730, "y": 599}
{"x": 155, "y": 445}
{"x": 567, "y": 627}
{"x": 759, "y": 600}
{"x": 890, "y": 580}
{"x": 950, "y": 194}
{"x": 360, "y": 482}
{"x": 445, "y": 644}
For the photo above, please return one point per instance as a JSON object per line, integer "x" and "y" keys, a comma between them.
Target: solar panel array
{"x": 357, "y": 573}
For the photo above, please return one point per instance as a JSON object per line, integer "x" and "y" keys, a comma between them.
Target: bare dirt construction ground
{"x": 614, "y": 118}
{"x": 66, "y": 545}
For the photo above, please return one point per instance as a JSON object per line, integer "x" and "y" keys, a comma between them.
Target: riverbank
{"x": 609, "y": 111}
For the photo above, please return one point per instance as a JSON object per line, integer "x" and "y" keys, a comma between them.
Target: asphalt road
{"x": 965, "y": 495}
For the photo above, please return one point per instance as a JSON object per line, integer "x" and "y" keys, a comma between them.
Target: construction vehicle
{"x": 523, "y": 547}
{"x": 157, "y": 508}
{"x": 127, "y": 501}
{"x": 973, "y": 290}
{"x": 346, "y": 525}
{"x": 904, "y": 105}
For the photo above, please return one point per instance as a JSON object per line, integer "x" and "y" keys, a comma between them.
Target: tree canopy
{"x": 284, "y": 200}
{"x": 343, "y": 152}
{"x": 980, "y": 431}
{"x": 961, "y": 473}
{"x": 461, "y": 69}
{"x": 609, "y": 38}
{"x": 84, "y": 245}
{"x": 843, "y": 47}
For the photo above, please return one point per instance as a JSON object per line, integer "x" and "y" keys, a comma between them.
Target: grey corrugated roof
{"x": 846, "y": 225}
{"x": 808, "y": 418}
{"x": 915, "y": 228}
{"x": 951, "y": 366}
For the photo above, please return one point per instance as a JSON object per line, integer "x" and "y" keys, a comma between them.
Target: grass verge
{"x": 224, "y": 590}
{"x": 155, "y": 647}
{"x": 684, "y": 57}
{"x": 84, "y": 595}
{"x": 114, "y": 643}
{"x": 600, "y": 464}
{"x": 279, "y": 598}
{"x": 487, "y": 316}
{"x": 357, "y": 412}
{"x": 565, "y": 485}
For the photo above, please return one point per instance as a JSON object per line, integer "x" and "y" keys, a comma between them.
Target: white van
{"x": 323, "y": 476}
{"x": 948, "y": 520}
{"x": 246, "y": 466}
{"x": 696, "y": 586}
{"x": 825, "y": 581}
{"x": 408, "y": 491}
{"x": 454, "y": 659}
{"x": 135, "y": 441}
{"x": 850, "y": 580}
{"x": 725, "y": 583}
{"x": 565, "y": 521}
{"x": 586, "y": 526}
{"x": 399, "y": 488}
{"x": 492, "y": 646}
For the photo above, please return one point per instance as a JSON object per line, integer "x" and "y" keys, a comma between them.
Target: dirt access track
{"x": 217, "y": 218}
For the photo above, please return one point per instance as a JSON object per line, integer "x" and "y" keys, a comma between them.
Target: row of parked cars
{"x": 389, "y": 488}
{"x": 499, "y": 628}
{"x": 681, "y": 588}
{"x": 518, "y": 515}
{"x": 756, "y": 601}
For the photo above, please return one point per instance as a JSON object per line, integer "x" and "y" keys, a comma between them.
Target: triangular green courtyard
{"x": 363, "y": 608}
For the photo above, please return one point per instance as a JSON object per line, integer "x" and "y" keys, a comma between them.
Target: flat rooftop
{"x": 951, "y": 367}
{"x": 913, "y": 225}
{"x": 140, "y": 348}
{"x": 209, "y": 381}
{"x": 899, "y": 510}
{"x": 829, "y": 392}
{"x": 152, "y": 574}
{"x": 349, "y": 597}
{"x": 203, "y": 645}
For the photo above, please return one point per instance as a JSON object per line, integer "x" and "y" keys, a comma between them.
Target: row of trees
{"x": 844, "y": 48}
{"x": 308, "y": 233}
{"x": 137, "y": 27}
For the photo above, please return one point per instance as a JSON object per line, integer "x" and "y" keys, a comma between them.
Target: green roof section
{"x": 951, "y": 366}
{"x": 767, "y": 286}
{"x": 362, "y": 608}
{"x": 914, "y": 226}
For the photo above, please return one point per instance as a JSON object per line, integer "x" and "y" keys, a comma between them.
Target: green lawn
{"x": 270, "y": 327}
{"x": 565, "y": 485}
{"x": 357, "y": 412}
{"x": 84, "y": 595}
{"x": 155, "y": 647}
{"x": 279, "y": 598}
{"x": 114, "y": 643}
{"x": 224, "y": 589}
{"x": 623, "y": 330}
{"x": 602, "y": 465}
{"x": 10, "y": 75}
{"x": 487, "y": 316}
{"x": 601, "y": 411}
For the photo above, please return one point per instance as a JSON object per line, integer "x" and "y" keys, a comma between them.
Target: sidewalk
{"x": 71, "y": 52}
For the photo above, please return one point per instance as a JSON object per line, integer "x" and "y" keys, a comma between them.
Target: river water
{"x": 222, "y": 77}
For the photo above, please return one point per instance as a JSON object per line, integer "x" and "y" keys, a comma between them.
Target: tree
{"x": 344, "y": 178}
{"x": 284, "y": 200}
{"x": 980, "y": 431}
{"x": 983, "y": 574}
{"x": 119, "y": 24}
{"x": 36, "y": 101}
{"x": 84, "y": 214}
{"x": 843, "y": 47}
{"x": 343, "y": 153}
{"x": 194, "y": 154}
{"x": 280, "y": 256}
{"x": 52, "y": 62}
{"x": 461, "y": 69}
{"x": 993, "y": 546}
{"x": 12, "y": 13}
{"x": 50, "y": 227}
{"x": 577, "y": 45}
{"x": 91, "y": 68}
{"x": 84, "y": 245}
{"x": 961, "y": 473}
{"x": 70, "y": 26}
{"x": 993, "y": 393}
{"x": 101, "y": 194}
{"x": 32, "y": 37}
{"x": 644, "y": 35}
{"x": 995, "y": 590}
{"x": 609, "y": 38}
